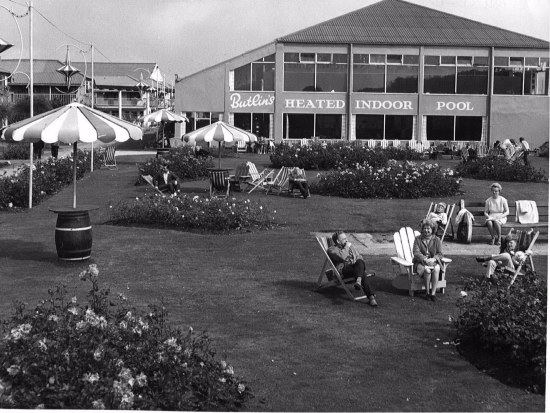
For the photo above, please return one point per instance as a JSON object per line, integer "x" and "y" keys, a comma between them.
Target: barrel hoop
{"x": 73, "y": 229}
{"x": 75, "y": 259}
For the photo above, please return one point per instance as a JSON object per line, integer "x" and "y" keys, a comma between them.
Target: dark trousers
{"x": 358, "y": 270}
{"x": 302, "y": 187}
{"x": 525, "y": 157}
{"x": 55, "y": 151}
{"x": 172, "y": 186}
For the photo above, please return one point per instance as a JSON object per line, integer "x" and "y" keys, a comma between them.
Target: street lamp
{"x": 143, "y": 88}
{"x": 4, "y": 45}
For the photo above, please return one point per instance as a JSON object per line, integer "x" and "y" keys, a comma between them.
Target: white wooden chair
{"x": 396, "y": 143}
{"x": 407, "y": 279}
{"x": 304, "y": 142}
{"x": 384, "y": 143}
{"x": 241, "y": 146}
{"x": 331, "y": 277}
{"x": 108, "y": 157}
{"x": 371, "y": 143}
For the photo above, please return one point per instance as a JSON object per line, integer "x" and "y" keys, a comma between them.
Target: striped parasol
{"x": 219, "y": 132}
{"x": 71, "y": 124}
{"x": 164, "y": 115}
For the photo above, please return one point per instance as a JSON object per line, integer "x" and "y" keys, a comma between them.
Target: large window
{"x": 456, "y": 75}
{"x": 257, "y": 123}
{"x": 316, "y": 72}
{"x": 454, "y": 128}
{"x": 257, "y": 76}
{"x": 300, "y": 126}
{"x": 379, "y": 127}
{"x": 520, "y": 75}
{"x": 380, "y": 73}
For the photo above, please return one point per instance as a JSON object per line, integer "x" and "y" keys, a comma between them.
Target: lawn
{"x": 298, "y": 350}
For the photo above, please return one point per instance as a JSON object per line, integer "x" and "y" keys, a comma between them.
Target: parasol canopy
{"x": 219, "y": 132}
{"x": 71, "y": 124}
{"x": 164, "y": 115}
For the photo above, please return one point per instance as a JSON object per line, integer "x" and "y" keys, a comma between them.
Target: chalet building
{"x": 392, "y": 70}
{"x": 115, "y": 88}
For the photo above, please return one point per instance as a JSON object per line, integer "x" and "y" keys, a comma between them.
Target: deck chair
{"x": 257, "y": 179}
{"x": 407, "y": 278}
{"x": 331, "y": 277}
{"x": 219, "y": 184}
{"x": 108, "y": 159}
{"x": 449, "y": 211}
{"x": 518, "y": 154}
{"x": 301, "y": 173}
{"x": 241, "y": 174}
{"x": 279, "y": 183}
{"x": 523, "y": 238}
{"x": 241, "y": 146}
{"x": 149, "y": 180}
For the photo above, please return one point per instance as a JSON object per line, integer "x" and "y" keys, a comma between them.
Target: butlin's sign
{"x": 257, "y": 100}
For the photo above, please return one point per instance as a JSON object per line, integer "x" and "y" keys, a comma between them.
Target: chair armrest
{"x": 401, "y": 261}
{"x": 446, "y": 260}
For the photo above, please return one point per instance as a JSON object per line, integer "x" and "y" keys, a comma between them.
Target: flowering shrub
{"x": 407, "y": 180}
{"x": 341, "y": 154}
{"x": 181, "y": 162}
{"x": 16, "y": 151}
{"x": 107, "y": 355}
{"x": 188, "y": 212}
{"x": 511, "y": 324}
{"x": 49, "y": 176}
{"x": 498, "y": 169}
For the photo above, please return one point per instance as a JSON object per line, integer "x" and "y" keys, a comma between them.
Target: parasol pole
{"x": 92, "y": 89}
{"x": 220, "y": 155}
{"x": 31, "y": 79}
{"x": 74, "y": 175}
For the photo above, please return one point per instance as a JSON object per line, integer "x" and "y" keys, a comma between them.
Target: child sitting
{"x": 509, "y": 259}
{"x": 439, "y": 217}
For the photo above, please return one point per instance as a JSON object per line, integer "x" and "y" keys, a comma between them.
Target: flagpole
{"x": 31, "y": 98}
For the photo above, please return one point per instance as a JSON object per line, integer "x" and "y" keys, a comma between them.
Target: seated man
{"x": 297, "y": 180}
{"x": 439, "y": 217}
{"x": 350, "y": 263}
{"x": 509, "y": 259}
{"x": 166, "y": 180}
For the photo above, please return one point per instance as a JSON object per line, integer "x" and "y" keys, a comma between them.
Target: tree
{"x": 20, "y": 110}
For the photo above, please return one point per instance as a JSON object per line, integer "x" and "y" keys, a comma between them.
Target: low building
{"x": 390, "y": 71}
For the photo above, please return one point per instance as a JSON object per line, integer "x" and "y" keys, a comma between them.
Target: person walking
{"x": 525, "y": 146}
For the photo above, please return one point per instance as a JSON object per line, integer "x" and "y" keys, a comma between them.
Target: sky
{"x": 186, "y": 36}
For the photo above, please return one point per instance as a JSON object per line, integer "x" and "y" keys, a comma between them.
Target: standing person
{"x": 38, "y": 147}
{"x": 525, "y": 146}
{"x": 350, "y": 263}
{"x": 54, "y": 149}
{"x": 427, "y": 254}
{"x": 496, "y": 213}
{"x": 167, "y": 180}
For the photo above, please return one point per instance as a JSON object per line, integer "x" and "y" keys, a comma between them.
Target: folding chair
{"x": 219, "y": 184}
{"x": 408, "y": 279}
{"x": 280, "y": 182}
{"x": 149, "y": 180}
{"x": 257, "y": 179}
{"x": 241, "y": 146}
{"x": 241, "y": 174}
{"x": 518, "y": 154}
{"x": 333, "y": 276}
{"x": 449, "y": 211}
{"x": 523, "y": 237}
{"x": 108, "y": 157}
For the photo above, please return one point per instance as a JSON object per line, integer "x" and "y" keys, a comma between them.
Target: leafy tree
{"x": 20, "y": 110}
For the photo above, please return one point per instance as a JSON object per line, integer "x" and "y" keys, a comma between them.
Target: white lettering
{"x": 237, "y": 102}
{"x": 407, "y": 104}
{"x": 299, "y": 103}
{"x": 314, "y": 104}
{"x": 461, "y": 106}
{"x": 440, "y": 105}
{"x": 383, "y": 104}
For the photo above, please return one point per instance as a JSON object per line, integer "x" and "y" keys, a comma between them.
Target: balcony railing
{"x": 62, "y": 98}
{"x": 126, "y": 102}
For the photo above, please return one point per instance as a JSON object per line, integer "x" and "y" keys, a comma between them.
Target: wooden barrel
{"x": 73, "y": 235}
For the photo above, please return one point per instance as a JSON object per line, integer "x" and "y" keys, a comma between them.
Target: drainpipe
{"x": 491, "y": 81}
{"x": 350, "y": 89}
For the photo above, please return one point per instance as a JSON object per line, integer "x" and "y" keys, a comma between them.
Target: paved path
{"x": 382, "y": 244}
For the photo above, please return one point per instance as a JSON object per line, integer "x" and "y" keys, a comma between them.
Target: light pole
{"x": 143, "y": 88}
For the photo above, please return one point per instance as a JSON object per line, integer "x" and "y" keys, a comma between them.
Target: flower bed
{"x": 508, "y": 324}
{"x": 16, "y": 151}
{"x": 499, "y": 169}
{"x": 49, "y": 177}
{"x": 182, "y": 211}
{"x": 337, "y": 155}
{"x": 107, "y": 355}
{"x": 181, "y": 161}
{"x": 406, "y": 180}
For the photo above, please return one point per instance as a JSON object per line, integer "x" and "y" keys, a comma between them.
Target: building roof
{"x": 397, "y": 22}
{"x": 44, "y": 70}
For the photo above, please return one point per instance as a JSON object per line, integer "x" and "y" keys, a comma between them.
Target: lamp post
{"x": 4, "y": 45}
{"x": 144, "y": 88}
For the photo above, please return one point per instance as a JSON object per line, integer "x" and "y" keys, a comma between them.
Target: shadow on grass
{"x": 19, "y": 250}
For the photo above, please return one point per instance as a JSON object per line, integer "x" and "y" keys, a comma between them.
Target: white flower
{"x": 25, "y": 328}
{"x": 141, "y": 380}
{"x": 73, "y": 310}
{"x": 123, "y": 325}
{"x": 222, "y": 379}
{"x": 98, "y": 353}
{"x": 241, "y": 387}
{"x": 229, "y": 370}
{"x": 463, "y": 293}
{"x": 53, "y": 317}
{"x": 223, "y": 364}
{"x": 98, "y": 405}
{"x": 81, "y": 325}
{"x": 94, "y": 272}
{"x": 13, "y": 370}
{"x": 91, "y": 378}
{"x": 73, "y": 300}
{"x": 10, "y": 205}
{"x": 42, "y": 344}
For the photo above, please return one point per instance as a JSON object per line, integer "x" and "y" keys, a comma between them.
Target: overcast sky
{"x": 185, "y": 36}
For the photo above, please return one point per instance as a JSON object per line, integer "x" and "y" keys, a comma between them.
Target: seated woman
{"x": 427, "y": 254}
{"x": 297, "y": 180}
{"x": 496, "y": 213}
{"x": 439, "y": 217}
{"x": 509, "y": 258}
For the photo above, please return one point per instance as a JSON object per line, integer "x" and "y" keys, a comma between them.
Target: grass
{"x": 299, "y": 350}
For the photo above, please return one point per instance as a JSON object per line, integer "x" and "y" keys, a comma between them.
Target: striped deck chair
{"x": 449, "y": 209}
{"x": 257, "y": 179}
{"x": 407, "y": 278}
{"x": 219, "y": 184}
{"x": 108, "y": 157}
{"x": 279, "y": 183}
